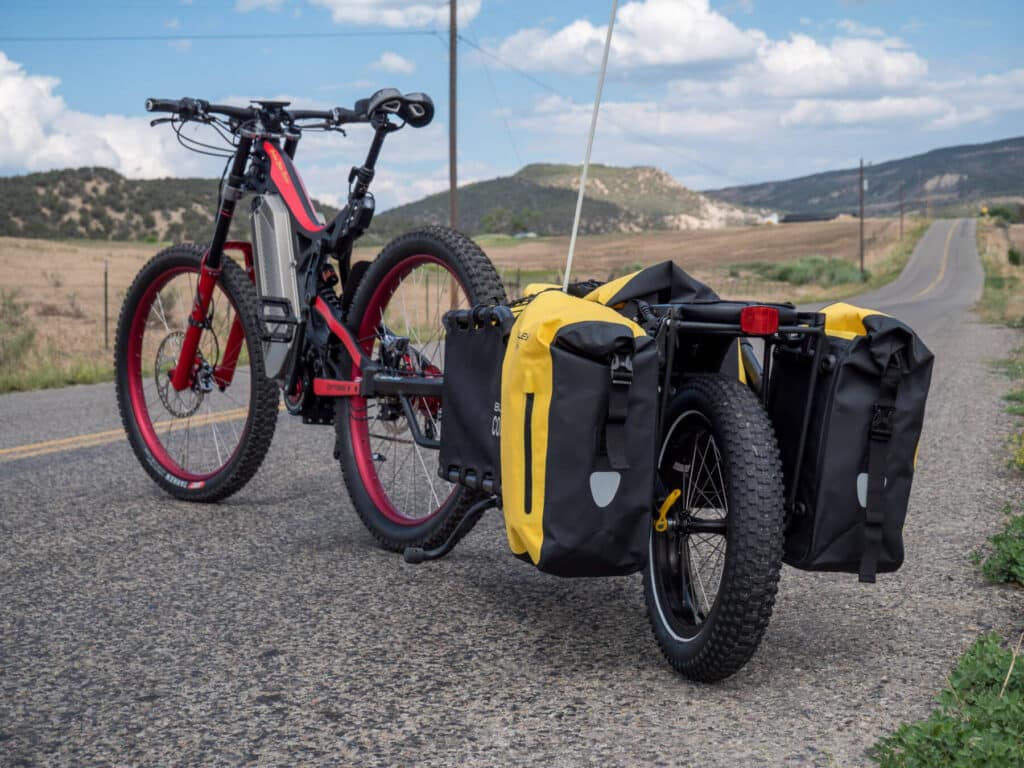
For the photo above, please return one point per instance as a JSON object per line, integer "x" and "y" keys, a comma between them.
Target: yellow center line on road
{"x": 942, "y": 269}
{"x": 31, "y": 450}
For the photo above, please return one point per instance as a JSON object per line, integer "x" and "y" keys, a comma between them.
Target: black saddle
{"x": 416, "y": 109}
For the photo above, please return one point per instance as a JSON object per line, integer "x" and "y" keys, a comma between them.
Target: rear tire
{"x": 719, "y": 448}
{"x": 393, "y": 483}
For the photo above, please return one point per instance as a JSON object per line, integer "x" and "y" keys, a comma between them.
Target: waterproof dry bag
{"x": 474, "y": 348}
{"x": 579, "y": 413}
{"x": 858, "y": 463}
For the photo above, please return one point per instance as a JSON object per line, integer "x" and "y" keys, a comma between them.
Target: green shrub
{"x": 1014, "y": 256}
{"x": 978, "y": 721}
{"x": 1005, "y": 564}
{"x": 16, "y": 331}
{"x": 810, "y": 269}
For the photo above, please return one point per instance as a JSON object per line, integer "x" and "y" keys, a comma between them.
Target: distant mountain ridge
{"x": 943, "y": 178}
{"x": 541, "y": 198}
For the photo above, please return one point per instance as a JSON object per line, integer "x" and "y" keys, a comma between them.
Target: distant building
{"x": 795, "y": 218}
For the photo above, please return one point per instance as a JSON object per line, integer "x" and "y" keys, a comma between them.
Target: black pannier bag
{"x": 471, "y": 421}
{"x": 579, "y": 398}
{"x": 858, "y": 464}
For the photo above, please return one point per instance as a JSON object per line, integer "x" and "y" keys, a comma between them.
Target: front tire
{"x": 392, "y": 481}
{"x": 205, "y": 442}
{"x": 711, "y": 578}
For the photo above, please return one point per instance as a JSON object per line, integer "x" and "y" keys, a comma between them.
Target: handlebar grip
{"x": 162, "y": 105}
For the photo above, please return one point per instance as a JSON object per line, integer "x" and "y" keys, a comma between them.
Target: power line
{"x": 218, "y": 36}
{"x": 501, "y": 108}
{"x": 624, "y": 128}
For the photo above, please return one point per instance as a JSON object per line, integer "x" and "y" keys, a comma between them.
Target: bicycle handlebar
{"x": 192, "y": 108}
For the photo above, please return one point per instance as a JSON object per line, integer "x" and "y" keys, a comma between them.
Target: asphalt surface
{"x": 269, "y": 630}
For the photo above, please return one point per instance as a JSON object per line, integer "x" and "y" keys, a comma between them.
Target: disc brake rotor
{"x": 186, "y": 402}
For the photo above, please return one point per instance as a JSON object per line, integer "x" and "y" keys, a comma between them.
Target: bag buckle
{"x": 881, "y": 422}
{"x": 622, "y": 369}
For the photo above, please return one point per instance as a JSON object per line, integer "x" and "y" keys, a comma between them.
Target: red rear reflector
{"x": 759, "y": 321}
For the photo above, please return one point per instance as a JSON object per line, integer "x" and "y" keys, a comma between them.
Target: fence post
{"x": 106, "y": 304}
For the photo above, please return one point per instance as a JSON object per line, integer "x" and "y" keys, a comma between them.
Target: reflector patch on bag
{"x": 603, "y": 486}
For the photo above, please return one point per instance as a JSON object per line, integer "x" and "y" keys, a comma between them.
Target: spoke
{"x": 163, "y": 315}
{"x": 216, "y": 443}
{"x": 188, "y": 441}
{"x": 419, "y": 455}
{"x": 692, "y": 572}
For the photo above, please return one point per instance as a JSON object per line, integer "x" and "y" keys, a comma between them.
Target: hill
{"x": 542, "y": 198}
{"x": 99, "y": 203}
{"x": 942, "y": 178}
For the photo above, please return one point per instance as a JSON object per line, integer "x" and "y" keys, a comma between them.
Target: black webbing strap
{"x": 618, "y": 408}
{"x": 878, "y": 454}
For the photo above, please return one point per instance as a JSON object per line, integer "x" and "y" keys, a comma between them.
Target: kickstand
{"x": 416, "y": 555}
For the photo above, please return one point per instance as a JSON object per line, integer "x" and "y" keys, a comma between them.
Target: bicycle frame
{"x": 272, "y": 171}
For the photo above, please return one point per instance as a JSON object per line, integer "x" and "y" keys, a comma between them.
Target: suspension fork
{"x": 209, "y": 270}
{"x": 224, "y": 373}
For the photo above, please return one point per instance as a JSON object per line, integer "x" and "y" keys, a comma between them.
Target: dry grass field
{"x": 51, "y": 292}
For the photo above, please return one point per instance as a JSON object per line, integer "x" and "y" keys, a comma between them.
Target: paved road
{"x": 268, "y": 629}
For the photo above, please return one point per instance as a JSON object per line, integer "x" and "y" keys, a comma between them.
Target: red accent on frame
{"x": 339, "y": 330}
{"x": 183, "y": 371}
{"x": 335, "y": 388}
{"x": 246, "y": 249}
{"x": 288, "y": 183}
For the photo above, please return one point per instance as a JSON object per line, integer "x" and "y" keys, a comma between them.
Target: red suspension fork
{"x": 181, "y": 378}
{"x": 209, "y": 272}
{"x": 224, "y": 373}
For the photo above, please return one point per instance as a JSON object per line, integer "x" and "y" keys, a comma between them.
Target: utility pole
{"x": 453, "y": 193}
{"x": 861, "y": 185}
{"x": 901, "y": 211}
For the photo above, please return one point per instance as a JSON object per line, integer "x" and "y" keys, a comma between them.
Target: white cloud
{"x": 396, "y": 13}
{"x": 556, "y": 115}
{"x": 38, "y": 132}
{"x": 855, "y": 28}
{"x": 390, "y": 61}
{"x": 647, "y": 33}
{"x": 801, "y": 65}
{"x": 888, "y": 109}
{"x": 244, "y": 6}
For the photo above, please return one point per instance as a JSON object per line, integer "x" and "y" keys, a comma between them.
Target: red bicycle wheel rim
{"x": 137, "y": 397}
{"x": 359, "y": 426}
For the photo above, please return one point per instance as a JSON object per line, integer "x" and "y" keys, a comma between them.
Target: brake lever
{"x": 160, "y": 121}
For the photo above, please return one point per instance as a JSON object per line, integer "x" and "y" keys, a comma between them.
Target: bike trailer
{"x": 579, "y": 391}
{"x": 857, "y": 463}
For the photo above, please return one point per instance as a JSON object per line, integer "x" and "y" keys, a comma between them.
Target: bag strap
{"x": 618, "y": 407}
{"x": 878, "y": 452}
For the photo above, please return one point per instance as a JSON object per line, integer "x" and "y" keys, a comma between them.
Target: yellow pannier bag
{"x": 579, "y": 391}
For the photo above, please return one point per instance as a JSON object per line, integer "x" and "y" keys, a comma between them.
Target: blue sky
{"x": 716, "y": 93}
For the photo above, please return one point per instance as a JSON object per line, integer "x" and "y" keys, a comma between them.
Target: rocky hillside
{"x": 99, "y": 203}
{"x": 541, "y": 198}
{"x": 943, "y": 179}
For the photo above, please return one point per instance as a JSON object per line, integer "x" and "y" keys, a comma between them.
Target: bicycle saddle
{"x": 416, "y": 109}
